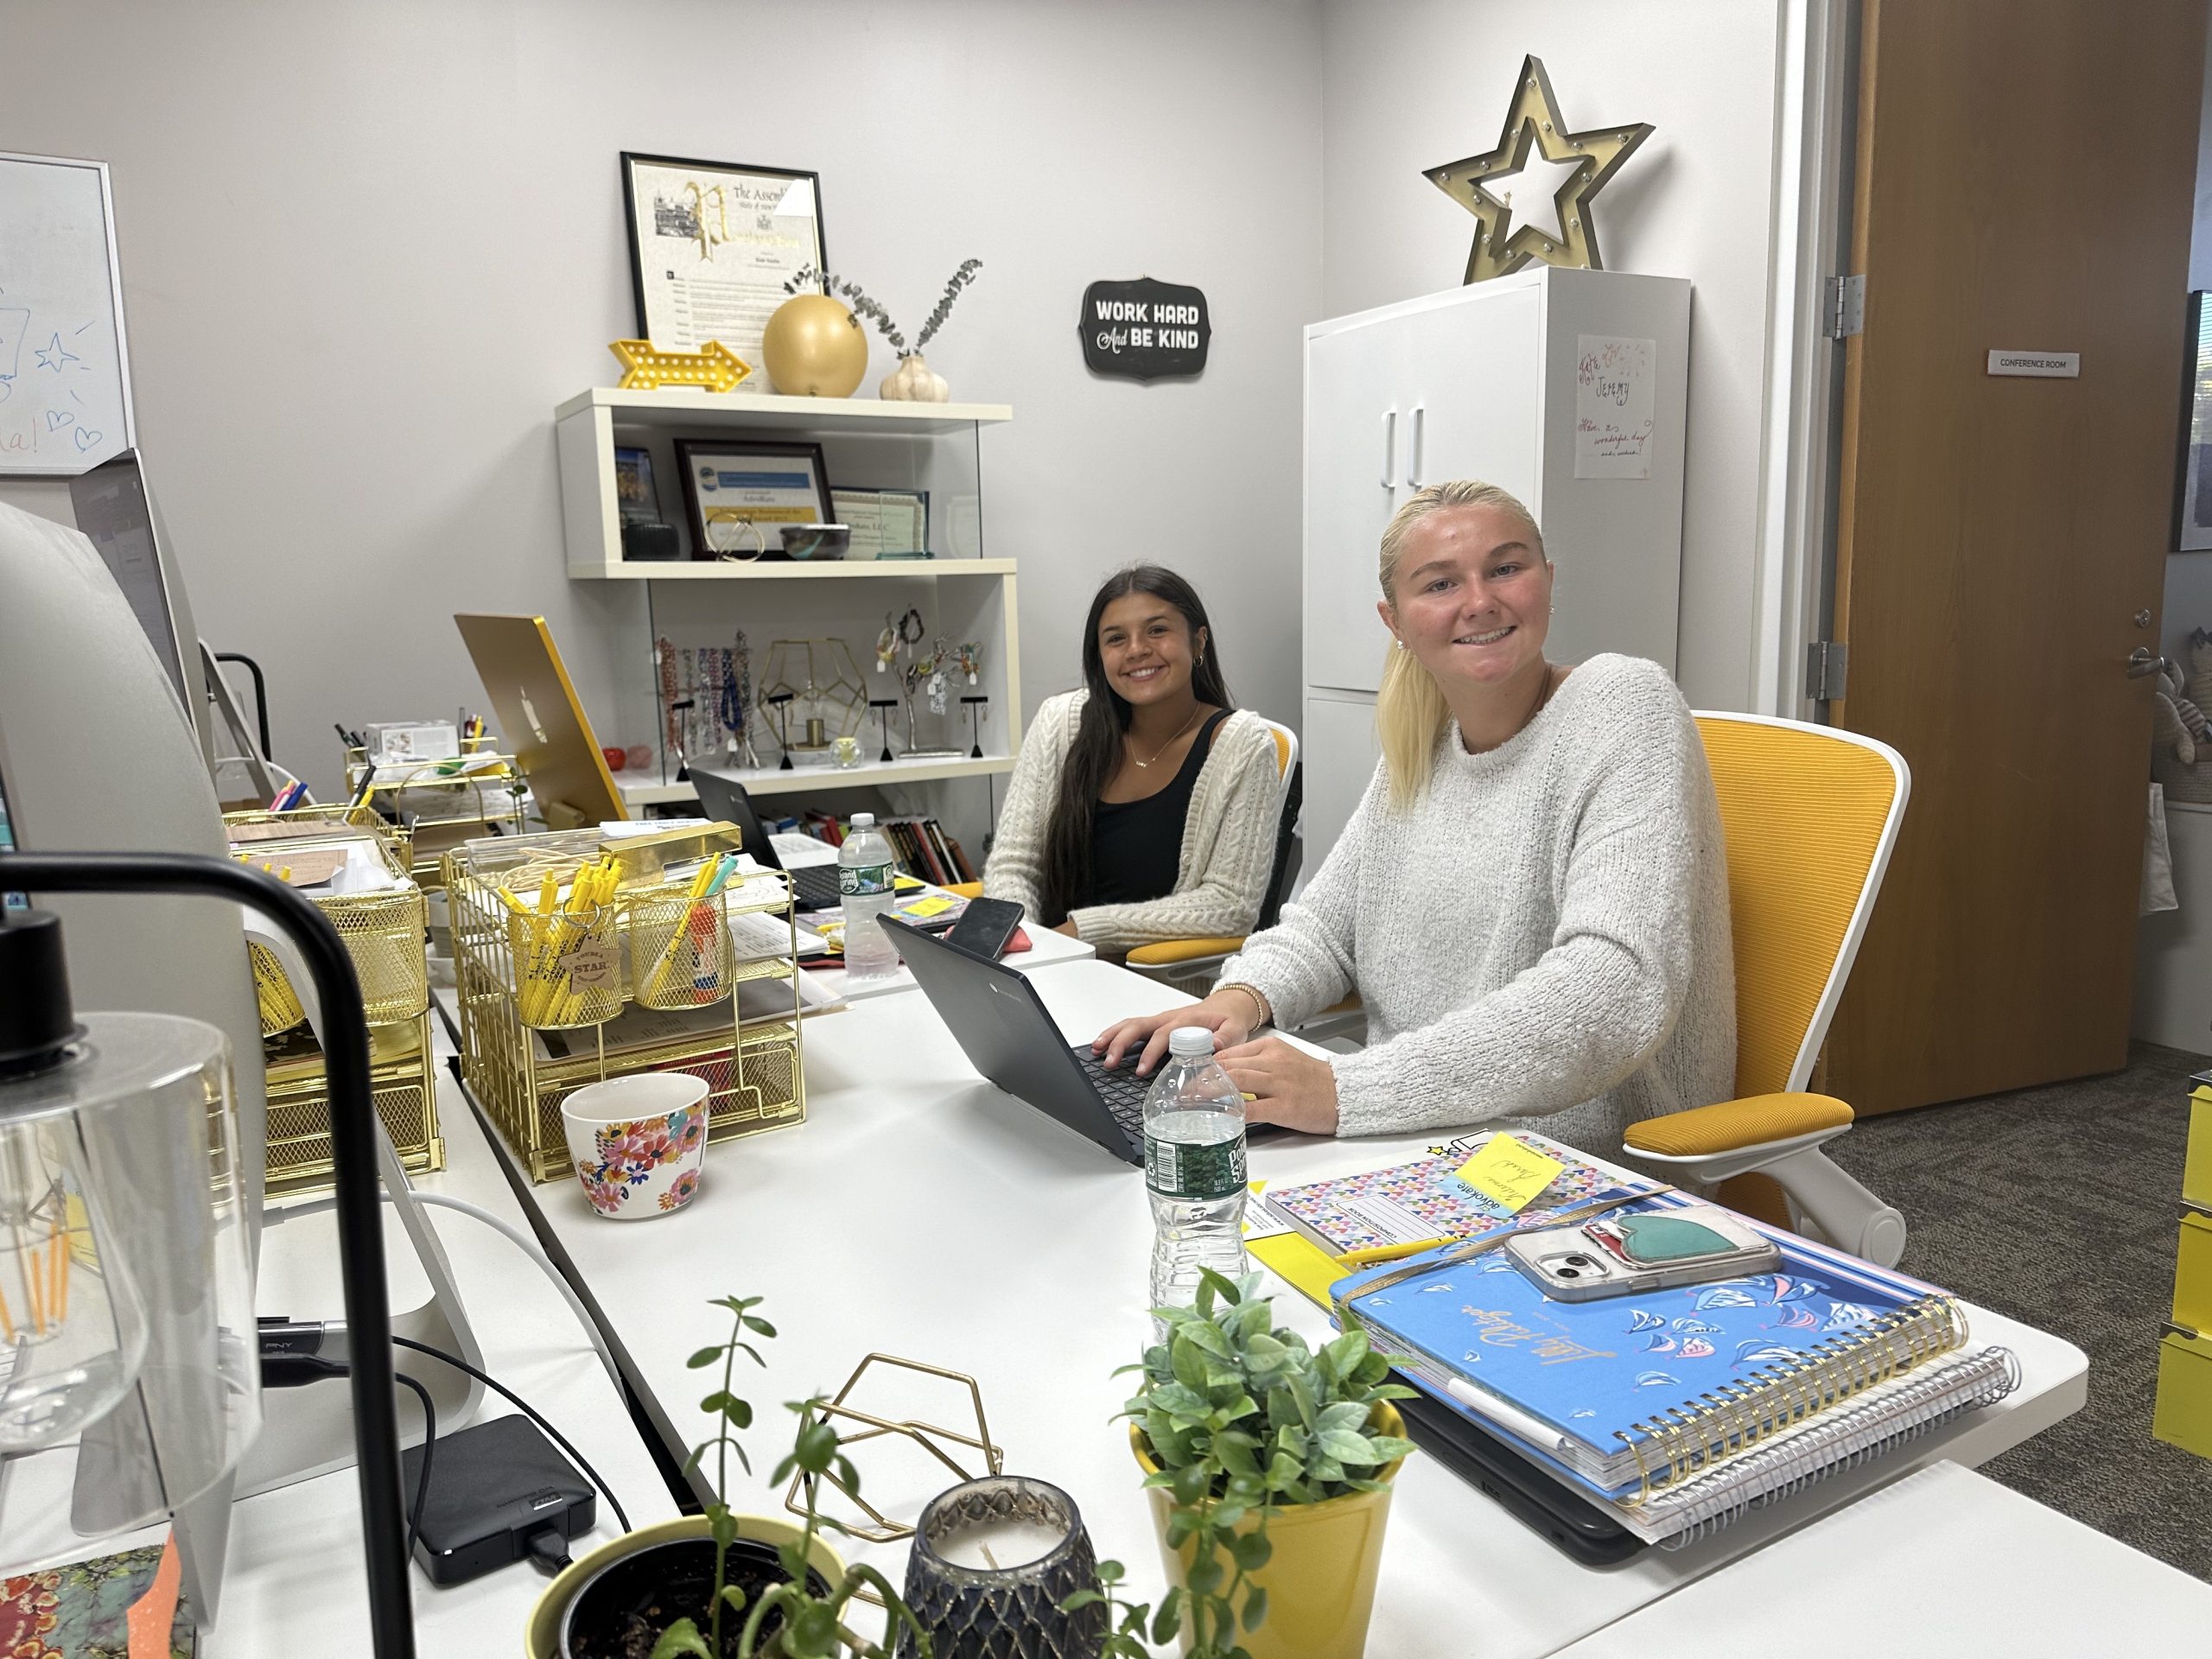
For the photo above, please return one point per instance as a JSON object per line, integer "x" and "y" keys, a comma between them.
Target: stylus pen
{"x": 1368, "y": 1258}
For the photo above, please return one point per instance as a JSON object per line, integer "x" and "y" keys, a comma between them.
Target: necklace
{"x": 1169, "y": 744}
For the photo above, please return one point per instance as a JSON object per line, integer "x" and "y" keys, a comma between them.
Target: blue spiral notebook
{"x": 1630, "y": 1391}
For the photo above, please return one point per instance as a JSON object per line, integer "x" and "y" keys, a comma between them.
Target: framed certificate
{"x": 885, "y": 524}
{"x": 741, "y": 494}
{"x": 711, "y": 245}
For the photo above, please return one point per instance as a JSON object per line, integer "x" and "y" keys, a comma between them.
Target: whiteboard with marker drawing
{"x": 65, "y": 382}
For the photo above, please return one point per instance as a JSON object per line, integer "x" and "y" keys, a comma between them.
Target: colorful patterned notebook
{"x": 1627, "y": 1387}
{"x": 82, "y": 1611}
{"x": 1407, "y": 1204}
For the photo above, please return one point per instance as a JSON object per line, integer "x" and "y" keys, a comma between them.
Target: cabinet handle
{"x": 1417, "y": 451}
{"x": 1389, "y": 447}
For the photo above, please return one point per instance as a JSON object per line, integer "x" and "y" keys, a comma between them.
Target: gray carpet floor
{"x": 1999, "y": 1215}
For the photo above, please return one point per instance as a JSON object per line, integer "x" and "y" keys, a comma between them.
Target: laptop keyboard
{"x": 1121, "y": 1088}
{"x": 815, "y": 887}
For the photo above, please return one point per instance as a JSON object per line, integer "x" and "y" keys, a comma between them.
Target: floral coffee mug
{"x": 637, "y": 1142}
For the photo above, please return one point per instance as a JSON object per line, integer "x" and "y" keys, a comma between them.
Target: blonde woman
{"x": 1531, "y": 899}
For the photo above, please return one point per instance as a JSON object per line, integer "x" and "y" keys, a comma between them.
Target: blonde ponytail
{"x": 1410, "y": 713}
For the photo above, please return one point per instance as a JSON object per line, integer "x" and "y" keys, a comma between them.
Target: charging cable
{"x": 293, "y": 1367}
{"x": 522, "y": 1240}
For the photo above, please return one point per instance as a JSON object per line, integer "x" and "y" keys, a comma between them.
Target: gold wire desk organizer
{"x": 441, "y": 809}
{"x": 384, "y": 934}
{"x": 649, "y": 955}
{"x": 926, "y": 1435}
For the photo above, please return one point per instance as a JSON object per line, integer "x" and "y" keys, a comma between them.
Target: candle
{"x": 996, "y": 1544}
{"x": 992, "y": 1562}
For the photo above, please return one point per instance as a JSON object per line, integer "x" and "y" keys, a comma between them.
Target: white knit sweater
{"x": 1543, "y": 934}
{"x": 1229, "y": 834}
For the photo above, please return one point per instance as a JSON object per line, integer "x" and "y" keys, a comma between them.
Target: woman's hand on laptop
{"x": 1283, "y": 1084}
{"x": 1229, "y": 1014}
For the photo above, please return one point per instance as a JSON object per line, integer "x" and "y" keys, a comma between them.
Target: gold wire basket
{"x": 442, "y": 809}
{"x": 520, "y": 1072}
{"x": 266, "y": 833}
{"x": 403, "y": 1081}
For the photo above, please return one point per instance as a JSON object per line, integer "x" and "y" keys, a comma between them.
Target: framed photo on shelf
{"x": 2193, "y": 496}
{"x": 711, "y": 245}
{"x": 885, "y": 524}
{"x": 741, "y": 494}
{"x": 636, "y": 501}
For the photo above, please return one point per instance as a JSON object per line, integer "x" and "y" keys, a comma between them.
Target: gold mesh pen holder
{"x": 753, "y": 1066}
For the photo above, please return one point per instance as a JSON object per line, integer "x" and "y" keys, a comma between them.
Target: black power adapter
{"x": 499, "y": 1493}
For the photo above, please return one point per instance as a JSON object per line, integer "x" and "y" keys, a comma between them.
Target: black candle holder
{"x": 975, "y": 725}
{"x": 1011, "y": 1612}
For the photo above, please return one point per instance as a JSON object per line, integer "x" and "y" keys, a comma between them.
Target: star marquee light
{"x": 1535, "y": 142}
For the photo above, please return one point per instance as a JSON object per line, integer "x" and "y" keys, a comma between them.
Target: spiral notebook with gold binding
{"x": 1631, "y": 1395}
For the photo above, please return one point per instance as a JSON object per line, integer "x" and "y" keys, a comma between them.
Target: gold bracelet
{"x": 1266, "y": 1014}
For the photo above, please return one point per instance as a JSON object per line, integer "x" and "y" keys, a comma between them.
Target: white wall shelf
{"x": 770, "y": 780}
{"x": 690, "y": 406}
{"x": 793, "y": 570}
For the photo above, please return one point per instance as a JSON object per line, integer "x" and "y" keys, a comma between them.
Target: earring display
{"x": 975, "y": 706}
{"x": 883, "y": 706}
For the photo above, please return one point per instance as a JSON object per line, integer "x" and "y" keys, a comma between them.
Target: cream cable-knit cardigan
{"x": 1229, "y": 834}
{"x": 1543, "y": 934}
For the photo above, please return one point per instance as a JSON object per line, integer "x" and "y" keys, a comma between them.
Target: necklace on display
{"x": 1169, "y": 744}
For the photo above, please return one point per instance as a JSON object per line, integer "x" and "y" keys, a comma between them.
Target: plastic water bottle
{"x": 1193, "y": 1169}
{"x": 864, "y": 874}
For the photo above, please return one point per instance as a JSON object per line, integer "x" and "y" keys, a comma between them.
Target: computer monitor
{"x": 541, "y": 722}
{"x": 116, "y": 512}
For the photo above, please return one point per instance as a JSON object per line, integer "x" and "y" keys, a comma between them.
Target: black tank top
{"x": 1135, "y": 846}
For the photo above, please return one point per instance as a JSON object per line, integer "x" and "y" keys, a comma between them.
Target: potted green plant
{"x": 1269, "y": 1464}
{"x": 721, "y": 1585}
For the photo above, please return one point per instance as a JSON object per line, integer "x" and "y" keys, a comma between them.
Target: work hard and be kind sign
{"x": 1144, "y": 330}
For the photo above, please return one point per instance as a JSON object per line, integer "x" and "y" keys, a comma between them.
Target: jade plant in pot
{"x": 1270, "y": 1465}
{"x": 723, "y": 1586}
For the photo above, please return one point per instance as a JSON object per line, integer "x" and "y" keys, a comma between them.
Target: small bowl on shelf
{"x": 817, "y": 541}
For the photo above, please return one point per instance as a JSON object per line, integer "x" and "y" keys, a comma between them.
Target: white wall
{"x": 367, "y": 247}
{"x": 1410, "y": 84}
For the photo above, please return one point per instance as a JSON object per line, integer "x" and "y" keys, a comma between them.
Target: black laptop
{"x": 814, "y": 887}
{"x": 1000, "y": 1024}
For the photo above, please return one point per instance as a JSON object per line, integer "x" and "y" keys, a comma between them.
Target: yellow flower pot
{"x": 814, "y": 348}
{"x": 543, "y": 1639}
{"x": 1320, "y": 1580}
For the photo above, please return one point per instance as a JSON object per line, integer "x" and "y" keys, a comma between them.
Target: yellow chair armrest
{"x": 1751, "y": 1121}
{"x": 967, "y": 889}
{"x": 1173, "y": 951}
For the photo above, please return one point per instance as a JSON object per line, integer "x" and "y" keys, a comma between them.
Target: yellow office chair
{"x": 1195, "y": 962}
{"x": 1810, "y": 814}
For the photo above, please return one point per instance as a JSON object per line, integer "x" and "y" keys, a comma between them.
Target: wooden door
{"x": 2026, "y": 183}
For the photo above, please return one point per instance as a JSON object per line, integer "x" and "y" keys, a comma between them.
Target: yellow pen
{"x": 1389, "y": 1252}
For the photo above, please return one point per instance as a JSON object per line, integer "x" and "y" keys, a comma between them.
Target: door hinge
{"x": 1825, "y": 661}
{"x": 1846, "y": 307}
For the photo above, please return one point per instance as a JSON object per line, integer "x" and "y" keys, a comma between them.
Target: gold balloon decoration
{"x": 814, "y": 348}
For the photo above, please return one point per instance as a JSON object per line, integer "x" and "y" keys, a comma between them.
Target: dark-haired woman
{"x": 1143, "y": 807}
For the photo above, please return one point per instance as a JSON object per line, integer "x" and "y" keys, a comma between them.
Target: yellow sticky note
{"x": 1509, "y": 1171}
{"x": 933, "y": 905}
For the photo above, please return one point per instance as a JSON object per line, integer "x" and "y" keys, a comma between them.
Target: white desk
{"x": 297, "y": 1582}
{"x": 1047, "y": 948}
{"x": 921, "y": 1213}
{"x": 1940, "y": 1563}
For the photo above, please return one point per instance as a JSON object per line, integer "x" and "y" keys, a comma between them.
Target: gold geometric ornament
{"x": 1533, "y": 123}
{"x": 886, "y": 1530}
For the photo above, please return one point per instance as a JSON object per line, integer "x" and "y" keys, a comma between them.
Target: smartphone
{"x": 985, "y": 926}
{"x": 1628, "y": 1255}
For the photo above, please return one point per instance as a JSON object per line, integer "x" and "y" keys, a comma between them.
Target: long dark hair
{"x": 1097, "y": 749}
